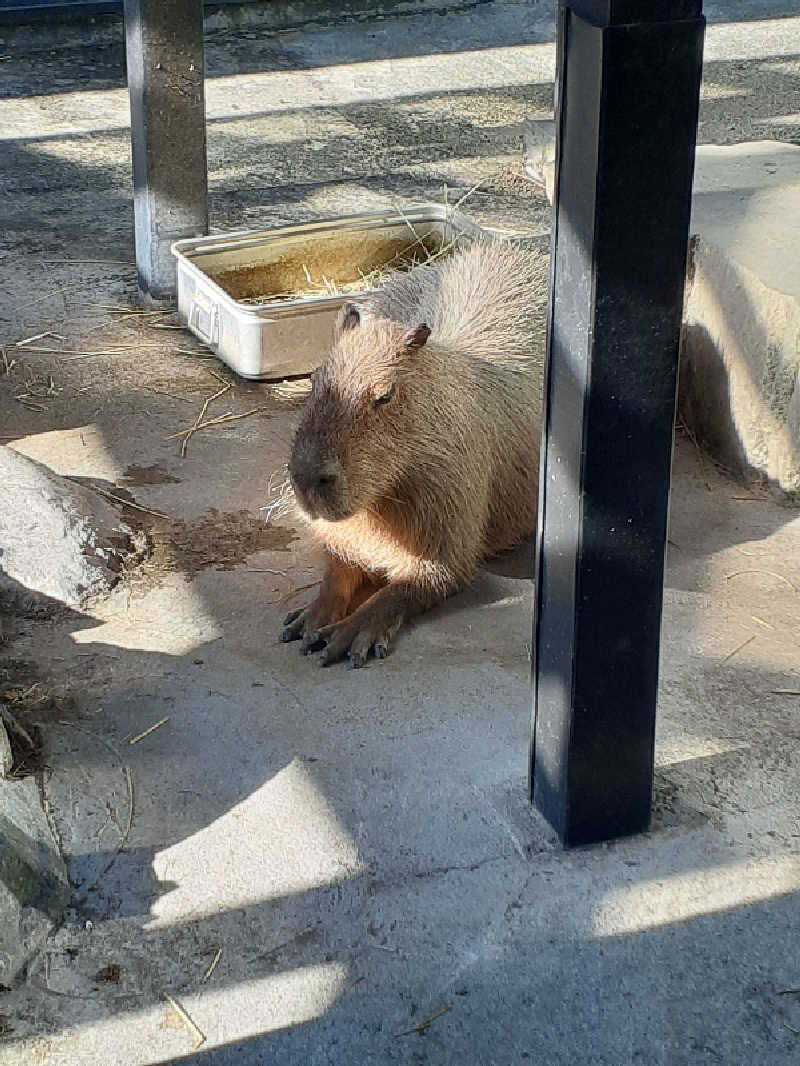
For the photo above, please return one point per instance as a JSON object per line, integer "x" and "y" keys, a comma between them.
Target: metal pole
{"x": 627, "y": 98}
{"x": 164, "y": 49}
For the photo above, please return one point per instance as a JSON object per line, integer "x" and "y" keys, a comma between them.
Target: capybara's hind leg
{"x": 343, "y": 588}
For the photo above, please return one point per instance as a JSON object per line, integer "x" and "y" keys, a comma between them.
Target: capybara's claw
{"x": 347, "y": 640}
{"x": 312, "y": 642}
{"x": 313, "y": 623}
{"x": 295, "y": 626}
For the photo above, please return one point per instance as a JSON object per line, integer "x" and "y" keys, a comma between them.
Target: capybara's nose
{"x": 303, "y": 472}
{"x": 312, "y": 476}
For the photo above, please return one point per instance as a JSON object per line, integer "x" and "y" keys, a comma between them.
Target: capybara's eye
{"x": 385, "y": 397}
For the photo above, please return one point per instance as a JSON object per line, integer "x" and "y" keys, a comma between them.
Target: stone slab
{"x": 34, "y": 889}
{"x": 740, "y": 376}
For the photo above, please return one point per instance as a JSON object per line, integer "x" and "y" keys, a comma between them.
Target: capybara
{"x": 417, "y": 454}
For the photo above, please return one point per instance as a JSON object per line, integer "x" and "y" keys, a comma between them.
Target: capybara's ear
{"x": 349, "y": 317}
{"x": 416, "y": 337}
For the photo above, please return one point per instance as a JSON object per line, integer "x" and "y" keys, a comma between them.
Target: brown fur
{"x": 417, "y": 453}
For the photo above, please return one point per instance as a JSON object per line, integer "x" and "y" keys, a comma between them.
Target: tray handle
{"x": 203, "y": 318}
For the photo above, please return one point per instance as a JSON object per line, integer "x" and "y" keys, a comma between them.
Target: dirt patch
{"x": 219, "y": 540}
{"x": 148, "y": 475}
{"x": 112, "y": 972}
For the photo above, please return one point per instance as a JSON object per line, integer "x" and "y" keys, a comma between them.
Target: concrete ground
{"x": 354, "y": 849}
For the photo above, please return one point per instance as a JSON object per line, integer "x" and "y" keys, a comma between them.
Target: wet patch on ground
{"x": 155, "y": 474}
{"x": 218, "y": 540}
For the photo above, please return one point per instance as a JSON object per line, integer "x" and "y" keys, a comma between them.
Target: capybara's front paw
{"x": 305, "y": 623}
{"x": 353, "y": 638}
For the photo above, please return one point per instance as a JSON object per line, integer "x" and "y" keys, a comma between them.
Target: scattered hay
{"x": 148, "y": 731}
{"x": 426, "y": 1023}
{"x": 129, "y": 503}
{"x": 290, "y": 392}
{"x": 281, "y": 497}
{"x": 69, "y": 355}
{"x": 193, "y": 429}
{"x": 737, "y": 649}
{"x": 38, "y": 387}
{"x": 200, "y": 1038}
{"x": 207, "y": 975}
{"x": 290, "y": 595}
{"x": 221, "y": 420}
{"x": 39, "y": 337}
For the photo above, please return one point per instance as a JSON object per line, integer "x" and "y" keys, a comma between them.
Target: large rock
{"x": 34, "y": 889}
{"x": 57, "y": 538}
{"x": 61, "y": 542}
{"x": 740, "y": 372}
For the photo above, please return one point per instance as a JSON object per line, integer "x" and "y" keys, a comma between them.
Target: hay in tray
{"x": 337, "y": 264}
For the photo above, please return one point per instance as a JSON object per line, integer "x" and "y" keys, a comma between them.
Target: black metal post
{"x": 164, "y": 47}
{"x": 627, "y": 96}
